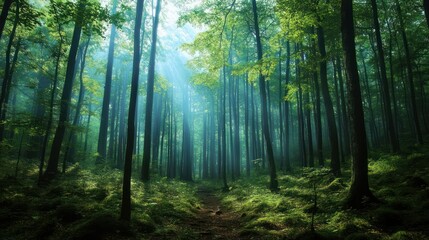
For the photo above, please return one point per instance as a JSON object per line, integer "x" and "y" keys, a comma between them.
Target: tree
{"x": 126, "y": 183}
{"x": 52, "y": 167}
{"x": 4, "y": 13}
{"x": 426, "y": 9}
{"x": 410, "y": 75}
{"x": 391, "y": 130}
{"x": 8, "y": 71}
{"x": 104, "y": 121}
{"x": 359, "y": 189}
{"x": 149, "y": 97}
{"x": 263, "y": 95}
{"x": 329, "y": 108}
{"x": 54, "y": 11}
{"x": 86, "y": 14}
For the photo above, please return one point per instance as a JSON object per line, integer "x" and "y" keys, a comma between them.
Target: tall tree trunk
{"x": 7, "y": 80}
{"x": 426, "y": 9}
{"x": 126, "y": 183}
{"x": 344, "y": 122}
{"x": 391, "y": 130}
{"x": 329, "y": 108}
{"x": 286, "y": 110}
{"x": 4, "y": 13}
{"x": 104, "y": 121}
{"x": 309, "y": 131}
{"x": 317, "y": 109}
{"x": 149, "y": 98}
{"x": 359, "y": 189}
{"x": 52, "y": 167}
{"x": 51, "y": 102}
{"x": 70, "y": 149}
{"x": 212, "y": 130}
{"x": 186, "y": 168}
{"x": 409, "y": 64}
{"x": 264, "y": 115}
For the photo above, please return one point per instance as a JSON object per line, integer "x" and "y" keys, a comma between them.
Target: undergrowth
{"x": 85, "y": 204}
{"x": 400, "y": 182}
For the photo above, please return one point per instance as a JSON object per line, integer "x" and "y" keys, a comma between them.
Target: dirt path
{"x": 214, "y": 221}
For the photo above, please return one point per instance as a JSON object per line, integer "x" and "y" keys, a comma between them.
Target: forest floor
{"x": 213, "y": 220}
{"x": 84, "y": 203}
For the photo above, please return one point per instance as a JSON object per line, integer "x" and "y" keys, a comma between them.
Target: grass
{"x": 84, "y": 203}
{"x": 399, "y": 181}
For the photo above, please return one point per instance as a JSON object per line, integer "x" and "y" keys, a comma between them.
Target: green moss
{"x": 336, "y": 185}
{"x": 405, "y": 235}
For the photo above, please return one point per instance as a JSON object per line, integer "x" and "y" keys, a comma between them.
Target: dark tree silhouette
{"x": 149, "y": 98}
{"x": 4, "y": 13}
{"x": 102, "y": 135}
{"x": 126, "y": 184}
{"x": 391, "y": 130}
{"x": 52, "y": 166}
{"x": 426, "y": 9}
{"x": 263, "y": 93}
{"x": 359, "y": 189}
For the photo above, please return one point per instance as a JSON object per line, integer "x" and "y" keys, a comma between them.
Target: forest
{"x": 211, "y": 119}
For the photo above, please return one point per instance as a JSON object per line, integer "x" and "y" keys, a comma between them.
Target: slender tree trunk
{"x": 51, "y": 102}
{"x": 391, "y": 130}
{"x": 309, "y": 132}
{"x": 264, "y": 115}
{"x": 317, "y": 110}
{"x": 126, "y": 187}
{"x": 88, "y": 122}
{"x": 344, "y": 122}
{"x": 186, "y": 168}
{"x": 329, "y": 108}
{"x": 70, "y": 149}
{"x": 4, "y": 13}
{"x": 426, "y": 9}
{"x": 102, "y": 135}
{"x": 52, "y": 167}
{"x": 7, "y": 80}
{"x": 409, "y": 64}
{"x": 286, "y": 110}
{"x": 359, "y": 189}
{"x": 149, "y": 98}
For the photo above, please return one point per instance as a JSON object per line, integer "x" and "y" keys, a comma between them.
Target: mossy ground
{"x": 399, "y": 181}
{"x": 84, "y": 203}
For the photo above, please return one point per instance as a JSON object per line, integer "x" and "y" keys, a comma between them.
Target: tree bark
{"x": 149, "y": 98}
{"x": 329, "y": 108}
{"x": 359, "y": 190}
{"x": 8, "y": 73}
{"x": 264, "y": 115}
{"x": 52, "y": 166}
{"x": 391, "y": 130}
{"x": 3, "y": 15}
{"x": 104, "y": 121}
{"x": 126, "y": 184}
{"x": 426, "y": 9}
{"x": 409, "y": 64}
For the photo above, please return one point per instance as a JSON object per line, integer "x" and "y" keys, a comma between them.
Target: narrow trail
{"x": 214, "y": 221}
